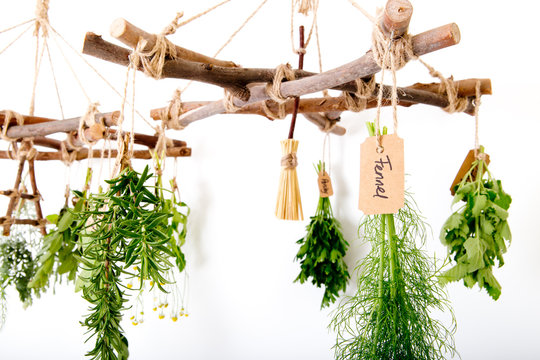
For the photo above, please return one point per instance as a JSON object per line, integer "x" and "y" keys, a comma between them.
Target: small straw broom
{"x": 289, "y": 204}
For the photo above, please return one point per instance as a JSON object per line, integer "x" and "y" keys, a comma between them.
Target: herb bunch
{"x": 61, "y": 249}
{"x": 477, "y": 233}
{"x": 389, "y": 316}
{"x": 322, "y": 250}
{"x": 128, "y": 226}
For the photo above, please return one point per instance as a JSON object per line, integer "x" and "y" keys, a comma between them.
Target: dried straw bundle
{"x": 289, "y": 204}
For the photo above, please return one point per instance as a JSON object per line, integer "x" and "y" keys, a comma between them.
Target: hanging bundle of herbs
{"x": 61, "y": 248}
{"x": 129, "y": 226}
{"x": 322, "y": 250}
{"x": 389, "y": 316}
{"x": 477, "y": 233}
{"x": 18, "y": 261}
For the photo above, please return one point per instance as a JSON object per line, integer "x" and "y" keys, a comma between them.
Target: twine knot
{"x": 228, "y": 102}
{"x": 283, "y": 71}
{"x": 391, "y": 54}
{"x": 42, "y": 17}
{"x": 8, "y": 116}
{"x": 170, "y": 116}
{"x": 357, "y": 101}
{"x": 305, "y": 6}
{"x": 86, "y": 121}
{"x": 289, "y": 161}
{"x": 173, "y": 26}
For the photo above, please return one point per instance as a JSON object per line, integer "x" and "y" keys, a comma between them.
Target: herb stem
{"x": 380, "y": 293}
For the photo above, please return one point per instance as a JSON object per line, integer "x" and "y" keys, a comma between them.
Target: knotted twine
{"x": 170, "y": 116}
{"x": 42, "y": 18}
{"x": 357, "y": 101}
{"x": 152, "y": 61}
{"x": 478, "y": 155}
{"x": 86, "y": 121}
{"x": 283, "y": 71}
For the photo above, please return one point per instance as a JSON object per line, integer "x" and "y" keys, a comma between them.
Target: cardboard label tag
{"x": 382, "y": 176}
{"x": 467, "y": 163}
{"x": 325, "y": 185}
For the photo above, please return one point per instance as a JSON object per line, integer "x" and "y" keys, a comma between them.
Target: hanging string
{"x": 315, "y": 7}
{"x": 325, "y": 91}
{"x": 17, "y": 38}
{"x": 326, "y": 145}
{"x": 42, "y": 18}
{"x": 477, "y": 103}
{"x": 18, "y": 25}
{"x": 170, "y": 116}
{"x": 185, "y": 22}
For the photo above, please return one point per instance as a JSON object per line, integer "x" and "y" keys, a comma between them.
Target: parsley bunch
{"x": 322, "y": 250}
{"x": 477, "y": 233}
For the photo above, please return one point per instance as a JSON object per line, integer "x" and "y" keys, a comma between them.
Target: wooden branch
{"x": 35, "y": 192}
{"x": 238, "y": 78}
{"x": 149, "y": 141}
{"x": 396, "y": 17}
{"x": 22, "y": 195}
{"x": 13, "y": 200}
{"x": 320, "y": 120}
{"x": 465, "y": 88}
{"x": 130, "y": 35}
{"x": 50, "y": 126}
{"x": 33, "y": 222}
{"x": 83, "y": 154}
{"x": 428, "y": 94}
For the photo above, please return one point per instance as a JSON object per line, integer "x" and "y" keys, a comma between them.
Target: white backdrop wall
{"x": 242, "y": 301}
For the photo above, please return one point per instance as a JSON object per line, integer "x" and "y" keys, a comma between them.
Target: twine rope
{"x": 477, "y": 103}
{"x": 87, "y": 121}
{"x": 42, "y": 18}
{"x": 289, "y": 161}
{"x": 228, "y": 102}
{"x": 281, "y": 113}
{"x": 357, "y": 101}
{"x": 313, "y": 6}
{"x": 8, "y": 116}
{"x": 283, "y": 71}
{"x": 170, "y": 116}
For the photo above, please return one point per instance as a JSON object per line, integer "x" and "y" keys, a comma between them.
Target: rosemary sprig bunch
{"x": 389, "y": 316}
{"x": 322, "y": 250}
{"x": 128, "y": 226}
{"x": 477, "y": 233}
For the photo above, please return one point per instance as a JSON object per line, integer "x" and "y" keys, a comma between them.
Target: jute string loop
{"x": 86, "y": 121}
{"x": 400, "y": 49}
{"x": 228, "y": 102}
{"x": 68, "y": 157}
{"x": 477, "y": 102}
{"x": 27, "y": 151}
{"x": 283, "y": 71}
{"x": 281, "y": 113}
{"x": 289, "y": 161}
{"x": 455, "y": 103}
{"x": 170, "y": 116}
{"x": 357, "y": 101}
{"x": 305, "y": 6}
{"x": 173, "y": 26}
{"x": 163, "y": 142}
{"x": 8, "y": 116}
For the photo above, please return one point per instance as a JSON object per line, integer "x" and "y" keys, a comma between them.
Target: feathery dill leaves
{"x": 389, "y": 316}
{"x": 477, "y": 233}
{"x": 128, "y": 226}
{"x": 322, "y": 250}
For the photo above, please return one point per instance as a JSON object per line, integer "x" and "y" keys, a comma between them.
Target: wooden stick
{"x": 130, "y": 35}
{"x": 465, "y": 88}
{"x": 39, "y": 213}
{"x": 53, "y": 126}
{"x": 83, "y": 154}
{"x": 320, "y": 120}
{"x": 13, "y": 200}
{"x": 149, "y": 141}
{"x": 33, "y": 222}
{"x": 429, "y": 41}
{"x": 21, "y": 195}
{"x": 396, "y": 17}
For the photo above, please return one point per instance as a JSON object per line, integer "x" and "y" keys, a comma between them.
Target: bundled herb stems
{"x": 390, "y": 315}
{"x": 322, "y": 250}
{"x": 477, "y": 233}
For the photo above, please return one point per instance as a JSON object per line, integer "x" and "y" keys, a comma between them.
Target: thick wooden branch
{"x": 465, "y": 88}
{"x": 83, "y": 154}
{"x": 341, "y": 78}
{"x": 130, "y": 35}
{"x": 44, "y": 126}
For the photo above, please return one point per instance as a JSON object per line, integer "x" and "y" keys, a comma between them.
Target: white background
{"x": 243, "y": 303}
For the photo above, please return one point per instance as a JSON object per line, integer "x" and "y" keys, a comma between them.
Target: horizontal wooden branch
{"x": 33, "y": 222}
{"x": 44, "y": 126}
{"x": 83, "y": 154}
{"x": 130, "y": 35}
